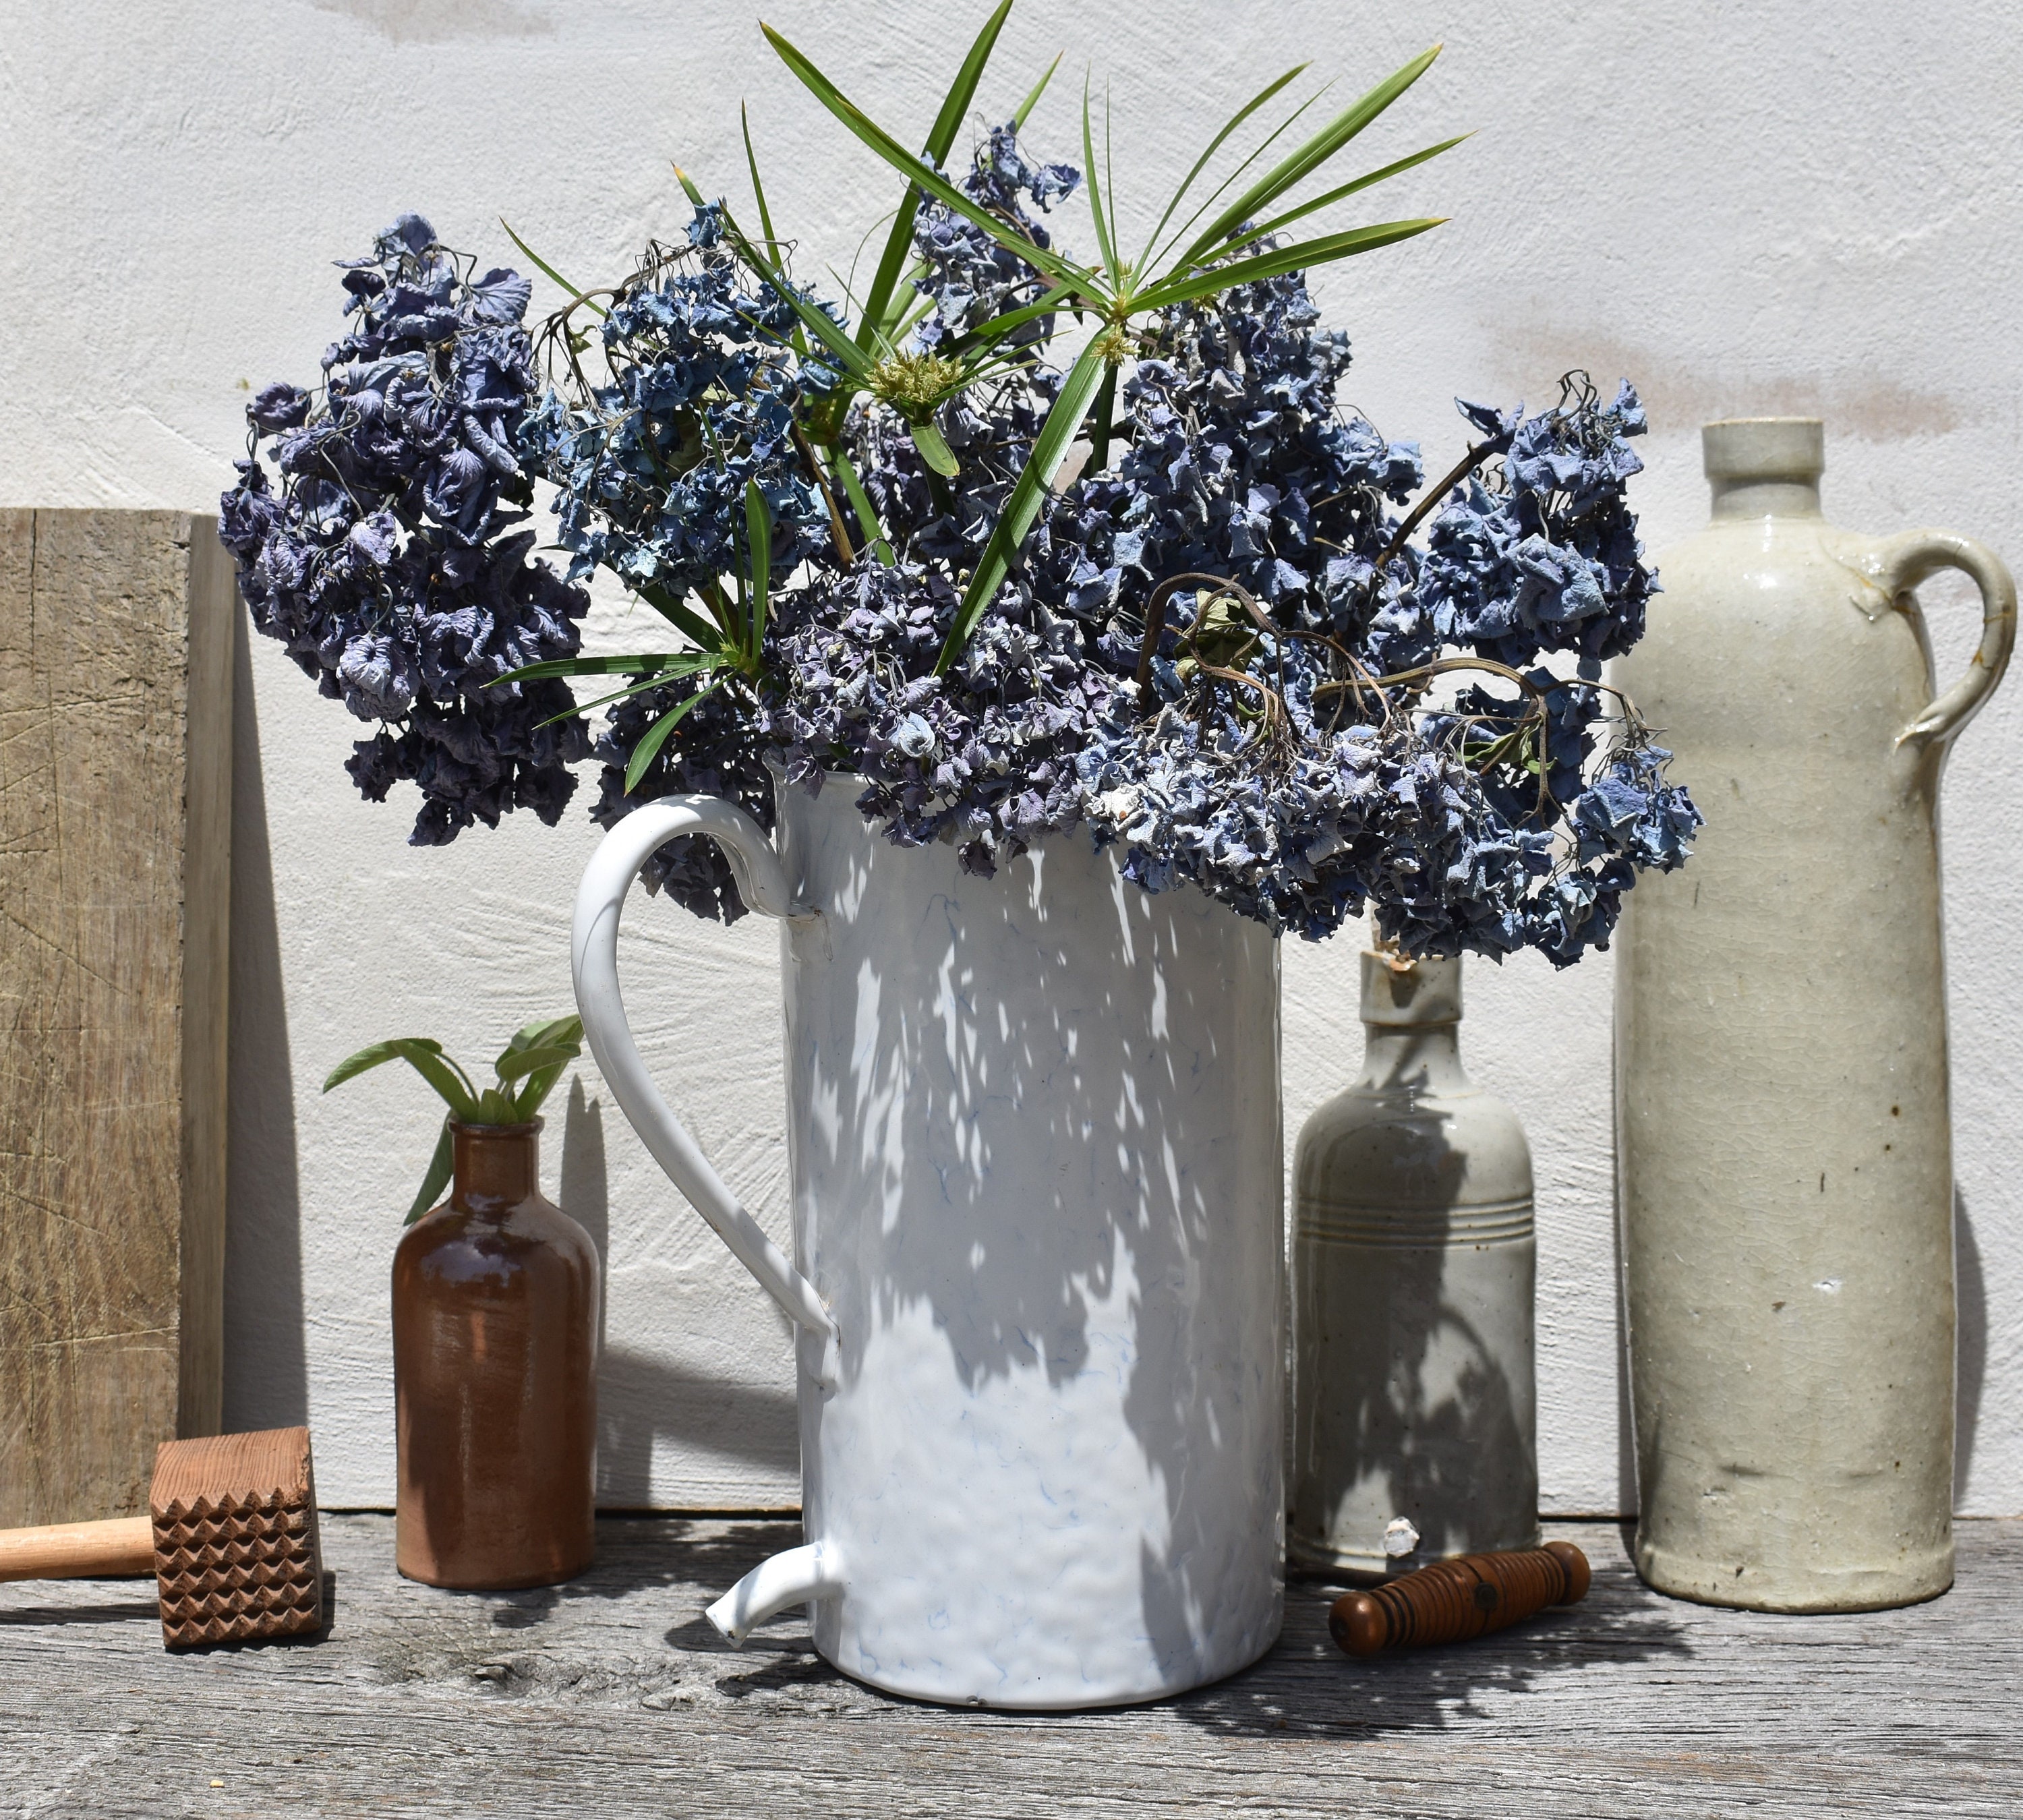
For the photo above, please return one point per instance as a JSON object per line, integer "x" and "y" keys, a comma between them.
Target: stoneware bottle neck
{"x": 1411, "y": 1020}
{"x": 1765, "y": 467}
{"x": 498, "y": 1167}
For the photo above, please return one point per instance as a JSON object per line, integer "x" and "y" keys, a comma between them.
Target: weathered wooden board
{"x": 613, "y": 1697}
{"x": 116, "y": 753}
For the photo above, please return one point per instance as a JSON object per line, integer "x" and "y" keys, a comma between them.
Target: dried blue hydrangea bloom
{"x": 1329, "y": 756}
{"x": 387, "y": 550}
{"x": 704, "y": 393}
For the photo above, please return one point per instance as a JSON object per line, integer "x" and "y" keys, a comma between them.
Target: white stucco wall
{"x": 1745, "y": 208}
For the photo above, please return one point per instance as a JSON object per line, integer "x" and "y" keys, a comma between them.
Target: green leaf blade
{"x": 934, "y": 448}
{"x": 665, "y": 664}
{"x": 1303, "y": 255}
{"x": 1061, "y": 270}
{"x": 442, "y": 1165}
{"x": 1306, "y": 158}
{"x": 1064, "y": 420}
{"x": 759, "y": 544}
{"x": 424, "y": 1055}
{"x": 516, "y": 1063}
{"x": 892, "y": 262}
{"x": 656, "y": 736}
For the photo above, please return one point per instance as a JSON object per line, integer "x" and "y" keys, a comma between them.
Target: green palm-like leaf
{"x": 1060, "y": 270}
{"x": 656, "y": 736}
{"x": 1215, "y": 145}
{"x": 940, "y": 139}
{"x": 1307, "y": 158}
{"x": 860, "y": 504}
{"x": 685, "y": 619}
{"x": 663, "y": 664}
{"x": 1032, "y": 100}
{"x": 1278, "y": 222}
{"x": 1106, "y": 244}
{"x": 1028, "y": 492}
{"x": 554, "y": 276}
{"x": 1302, "y": 255}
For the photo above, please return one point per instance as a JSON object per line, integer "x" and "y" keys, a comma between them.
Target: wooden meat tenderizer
{"x": 1451, "y": 1601}
{"x": 230, "y": 1537}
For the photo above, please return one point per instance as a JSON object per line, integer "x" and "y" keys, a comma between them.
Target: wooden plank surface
{"x": 115, "y": 636}
{"x": 613, "y": 1697}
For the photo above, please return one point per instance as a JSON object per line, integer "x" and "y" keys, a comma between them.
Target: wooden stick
{"x": 1451, "y": 1601}
{"x": 117, "y": 1548}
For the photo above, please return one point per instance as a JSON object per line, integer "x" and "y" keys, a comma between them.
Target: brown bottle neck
{"x": 497, "y": 1167}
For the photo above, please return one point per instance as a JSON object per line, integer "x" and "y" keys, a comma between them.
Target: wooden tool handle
{"x": 1453, "y": 1600}
{"x": 110, "y": 1550}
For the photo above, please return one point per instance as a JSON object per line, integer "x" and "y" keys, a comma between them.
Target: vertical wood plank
{"x": 115, "y": 752}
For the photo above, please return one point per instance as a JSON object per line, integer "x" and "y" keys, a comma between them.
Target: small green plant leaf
{"x": 1278, "y": 222}
{"x": 516, "y": 1064}
{"x": 441, "y": 1165}
{"x": 757, "y": 188}
{"x": 986, "y": 334}
{"x": 860, "y": 504}
{"x": 934, "y": 448}
{"x": 656, "y": 736}
{"x": 546, "y": 1032}
{"x": 1105, "y": 244}
{"x": 1063, "y": 422}
{"x": 425, "y": 1056}
{"x": 685, "y": 619}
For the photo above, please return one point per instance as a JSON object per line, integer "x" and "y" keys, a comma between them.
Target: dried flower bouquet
{"x": 1011, "y": 545}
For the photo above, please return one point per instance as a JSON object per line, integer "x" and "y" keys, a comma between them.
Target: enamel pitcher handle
{"x": 594, "y": 963}
{"x": 1905, "y": 562}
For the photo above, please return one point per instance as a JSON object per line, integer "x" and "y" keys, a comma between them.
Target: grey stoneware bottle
{"x": 1413, "y": 1418}
{"x": 1783, "y": 1141}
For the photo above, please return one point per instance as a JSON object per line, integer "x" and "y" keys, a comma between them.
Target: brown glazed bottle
{"x": 495, "y": 1376}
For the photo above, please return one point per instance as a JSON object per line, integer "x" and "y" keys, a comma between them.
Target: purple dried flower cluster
{"x": 389, "y": 555}
{"x": 1329, "y": 718}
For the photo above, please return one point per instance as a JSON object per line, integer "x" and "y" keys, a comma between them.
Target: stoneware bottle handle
{"x": 594, "y": 963}
{"x": 1905, "y": 562}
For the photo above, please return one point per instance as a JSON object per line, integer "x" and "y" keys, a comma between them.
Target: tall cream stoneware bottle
{"x": 1783, "y": 1147}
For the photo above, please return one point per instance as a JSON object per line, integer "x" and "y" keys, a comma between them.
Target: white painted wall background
{"x": 1746, "y": 207}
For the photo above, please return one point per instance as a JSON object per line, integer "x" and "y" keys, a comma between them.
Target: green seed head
{"x": 913, "y": 384}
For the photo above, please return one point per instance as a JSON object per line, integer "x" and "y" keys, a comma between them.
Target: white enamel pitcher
{"x": 1035, "y": 1152}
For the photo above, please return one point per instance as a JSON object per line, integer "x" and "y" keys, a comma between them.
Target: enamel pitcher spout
{"x": 1035, "y": 1155}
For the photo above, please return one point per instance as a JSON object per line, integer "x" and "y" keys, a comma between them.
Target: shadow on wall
{"x": 265, "y": 1374}
{"x": 1971, "y": 1294}
{"x": 642, "y": 1398}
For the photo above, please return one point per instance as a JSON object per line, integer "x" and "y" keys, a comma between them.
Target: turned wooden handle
{"x": 113, "y": 1549}
{"x": 1453, "y": 1600}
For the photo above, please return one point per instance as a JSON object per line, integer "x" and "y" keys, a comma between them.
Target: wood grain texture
{"x": 236, "y": 1556}
{"x": 116, "y": 633}
{"x": 611, "y": 1696}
